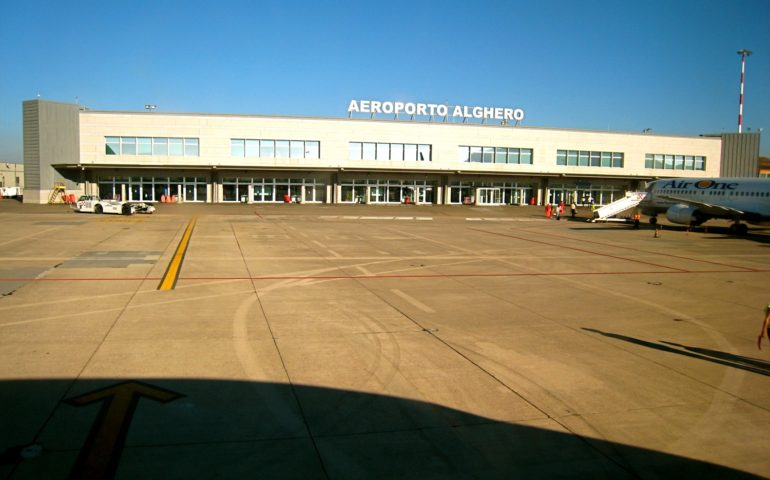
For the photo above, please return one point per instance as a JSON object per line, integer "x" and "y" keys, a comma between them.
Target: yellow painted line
{"x": 168, "y": 282}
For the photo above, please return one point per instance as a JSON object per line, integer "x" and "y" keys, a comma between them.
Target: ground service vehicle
{"x": 94, "y": 204}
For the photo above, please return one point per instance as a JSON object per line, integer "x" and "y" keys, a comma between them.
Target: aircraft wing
{"x": 707, "y": 208}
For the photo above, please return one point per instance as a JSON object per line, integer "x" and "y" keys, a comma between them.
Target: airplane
{"x": 694, "y": 201}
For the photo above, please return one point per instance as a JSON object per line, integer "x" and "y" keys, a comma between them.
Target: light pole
{"x": 743, "y": 53}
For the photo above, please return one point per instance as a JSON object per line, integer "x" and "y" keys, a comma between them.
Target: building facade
{"x": 152, "y": 156}
{"x": 11, "y": 175}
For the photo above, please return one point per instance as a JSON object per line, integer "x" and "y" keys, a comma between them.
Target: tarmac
{"x": 378, "y": 342}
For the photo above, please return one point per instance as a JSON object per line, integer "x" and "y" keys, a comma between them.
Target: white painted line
{"x": 376, "y": 218}
{"x": 424, "y": 218}
{"x": 404, "y": 218}
{"x": 413, "y": 301}
{"x": 473, "y": 219}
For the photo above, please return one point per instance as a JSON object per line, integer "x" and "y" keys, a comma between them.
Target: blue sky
{"x": 668, "y": 65}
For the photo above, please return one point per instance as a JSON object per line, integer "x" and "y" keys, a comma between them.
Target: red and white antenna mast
{"x": 743, "y": 53}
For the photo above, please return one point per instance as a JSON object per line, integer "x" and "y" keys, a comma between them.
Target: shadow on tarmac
{"x": 748, "y": 364}
{"x": 175, "y": 428}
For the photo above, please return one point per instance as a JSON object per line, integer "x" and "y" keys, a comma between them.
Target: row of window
{"x": 242, "y": 147}
{"x": 175, "y": 147}
{"x": 674, "y": 162}
{"x": 582, "y": 158}
{"x": 519, "y": 156}
{"x": 407, "y": 152}
{"x": 190, "y": 147}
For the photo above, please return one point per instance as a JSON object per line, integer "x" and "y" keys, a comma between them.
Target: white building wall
{"x": 215, "y": 132}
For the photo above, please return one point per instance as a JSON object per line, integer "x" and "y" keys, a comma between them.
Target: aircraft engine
{"x": 684, "y": 214}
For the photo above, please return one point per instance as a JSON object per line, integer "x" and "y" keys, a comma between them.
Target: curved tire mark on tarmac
{"x": 731, "y": 379}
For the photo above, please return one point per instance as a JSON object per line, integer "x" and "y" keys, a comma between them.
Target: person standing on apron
{"x": 765, "y": 327}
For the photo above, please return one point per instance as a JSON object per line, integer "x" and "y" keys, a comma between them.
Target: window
{"x": 252, "y": 148}
{"x": 388, "y": 151}
{"x": 607, "y": 159}
{"x": 112, "y": 146}
{"x": 160, "y": 146}
{"x": 144, "y": 146}
{"x": 273, "y": 148}
{"x": 354, "y": 151}
{"x": 151, "y": 146}
{"x": 501, "y": 155}
{"x": 128, "y": 146}
{"x": 175, "y": 147}
{"x": 475, "y": 154}
{"x": 282, "y": 149}
{"x": 191, "y": 147}
{"x": 513, "y": 155}
{"x": 495, "y": 155}
{"x": 313, "y": 149}
{"x": 489, "y": 153}
{"x": 423, "y": 153}
{"x": 383, "y": 151}
{"x": 396, "y": 151}
{"x": 410, "y": 152}
{"x": 580, "y": 158}
{"x": 464, "y": 154}
{"x": 674, "y": 162}
{"x": 369, "y": 151}
{"x": 237, "y": 147}
{"x": 296, "y": 149}
{"x": 267, "y": 148}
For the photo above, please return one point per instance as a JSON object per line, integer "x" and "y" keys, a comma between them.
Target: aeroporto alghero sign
{"x": 435, "y": 109}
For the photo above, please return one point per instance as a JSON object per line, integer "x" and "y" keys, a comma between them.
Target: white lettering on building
{"x": 434, "y": 109}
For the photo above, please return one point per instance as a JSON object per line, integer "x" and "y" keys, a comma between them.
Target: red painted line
{"x": 84, "y": 279}
{"x": 582, "y": 250}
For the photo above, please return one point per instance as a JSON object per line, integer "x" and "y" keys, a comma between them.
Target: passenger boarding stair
{"x": 631, "y": 200}
{"x": 57, "y": 194}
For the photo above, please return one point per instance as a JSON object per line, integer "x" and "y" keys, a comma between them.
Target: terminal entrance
{"x": 490, "y": 196}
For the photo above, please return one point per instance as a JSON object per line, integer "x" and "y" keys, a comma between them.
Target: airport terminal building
{"x": 468, "y": 155}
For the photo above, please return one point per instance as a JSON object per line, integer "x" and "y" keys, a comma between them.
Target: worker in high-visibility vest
{"x": 637, "y": 219}
{"x": 765, "y": 327}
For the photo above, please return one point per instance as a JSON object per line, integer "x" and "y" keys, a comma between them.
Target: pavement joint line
{"x": 580, "y": 250}
{"x": 175, "y": 265}
{"x": 292, "y": 384}
{"x": 649, "y": 251}
{"x": 386, "y": 276}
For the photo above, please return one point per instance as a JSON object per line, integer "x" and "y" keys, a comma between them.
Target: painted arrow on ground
{"x": 101, "y": 452}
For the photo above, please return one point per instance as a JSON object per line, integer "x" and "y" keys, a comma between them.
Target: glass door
{"x": 490, "y": 196}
